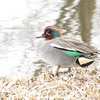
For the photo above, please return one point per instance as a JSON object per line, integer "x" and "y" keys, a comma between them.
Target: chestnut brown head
{"x": 51, "y": 32}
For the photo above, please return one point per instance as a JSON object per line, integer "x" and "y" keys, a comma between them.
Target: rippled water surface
{"x": 22, "y": 20}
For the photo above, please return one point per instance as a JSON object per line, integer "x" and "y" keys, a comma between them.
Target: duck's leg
{"x": 69, "y": 69}
{"x": 57, "y": 73}
{"x": 58, "y": 70}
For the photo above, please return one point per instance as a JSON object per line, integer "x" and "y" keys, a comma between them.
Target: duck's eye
{"x": 48, "y": 32}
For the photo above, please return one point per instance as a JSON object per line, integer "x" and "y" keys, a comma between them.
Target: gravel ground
{"x": 79, "y": 84}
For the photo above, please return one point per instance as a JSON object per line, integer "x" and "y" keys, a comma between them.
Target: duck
{"x": 63, "y": 51}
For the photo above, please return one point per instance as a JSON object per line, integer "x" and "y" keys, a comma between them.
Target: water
{"x": 22, "y": 20}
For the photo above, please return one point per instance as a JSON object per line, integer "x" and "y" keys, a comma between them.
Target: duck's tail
{"x": 84, "y": 61}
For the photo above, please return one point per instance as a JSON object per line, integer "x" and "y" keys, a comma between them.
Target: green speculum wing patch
{"x": 72, "y": 53}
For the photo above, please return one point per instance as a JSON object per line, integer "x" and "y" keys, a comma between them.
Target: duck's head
{"x": 51, "y": 32}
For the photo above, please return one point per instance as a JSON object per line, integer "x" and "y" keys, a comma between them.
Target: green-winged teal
{"x": 63, "y": 51}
